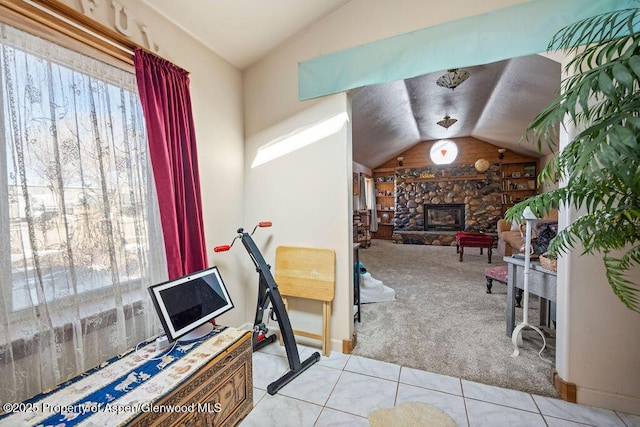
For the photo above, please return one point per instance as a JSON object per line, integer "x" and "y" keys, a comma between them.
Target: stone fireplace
{"x": 444, "y": 217}
{"x": 459, "y": 198}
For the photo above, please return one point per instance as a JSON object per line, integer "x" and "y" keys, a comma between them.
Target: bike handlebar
{"x": 224, "y": 248}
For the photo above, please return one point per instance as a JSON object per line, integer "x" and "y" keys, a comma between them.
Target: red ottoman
{"x": 473, "y": 240}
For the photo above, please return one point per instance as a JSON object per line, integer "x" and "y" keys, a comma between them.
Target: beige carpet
{"x": 410, "y": 414}
{"x": 443, "y": 321}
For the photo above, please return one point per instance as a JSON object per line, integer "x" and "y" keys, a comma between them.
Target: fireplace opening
{"x": 445, "y": 217}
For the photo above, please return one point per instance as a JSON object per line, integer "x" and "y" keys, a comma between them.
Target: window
{"x": 368, "y": 191}
{"x": 80, "y": 235}
{"x": 78, "y": 179}
{"x": 443, "y": 152}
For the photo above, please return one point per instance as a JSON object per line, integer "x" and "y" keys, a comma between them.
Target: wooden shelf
{"x": 361, "y": 228}
{"x": 522, "y": 168}
{"x": 449, "y": 178}
{"x": 385, "y": 184}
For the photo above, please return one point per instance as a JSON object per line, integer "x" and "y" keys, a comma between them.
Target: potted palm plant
{"x": 600, "y": 167}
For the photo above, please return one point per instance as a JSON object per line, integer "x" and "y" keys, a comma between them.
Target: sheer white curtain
{"x": 80, "y": 239}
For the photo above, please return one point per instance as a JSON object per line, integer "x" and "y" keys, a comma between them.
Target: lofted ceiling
{"x": 244, "y": 31}
{"x": 495, "y": 104}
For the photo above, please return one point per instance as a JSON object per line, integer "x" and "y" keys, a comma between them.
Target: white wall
{"x": 216, "y": 93}
{"x": 271, "y": 85}
{"x": 601, "y": 341}
{"x": 271, "y": 96}
{"x": 306, "y": 194}
{"x": 598, "y": 345}
{"x": 598, "y": 338}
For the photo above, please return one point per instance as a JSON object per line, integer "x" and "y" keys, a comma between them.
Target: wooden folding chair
{"x": 308, "y": 273}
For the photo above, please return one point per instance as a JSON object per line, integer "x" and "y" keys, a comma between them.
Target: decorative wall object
{"x": 482, "y": 165}
{"x": 443, "y": 152}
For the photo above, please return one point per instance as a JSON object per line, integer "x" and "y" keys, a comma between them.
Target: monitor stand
{"x": 199, "y": 332}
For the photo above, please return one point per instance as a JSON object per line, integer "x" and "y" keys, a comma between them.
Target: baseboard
{"x": 604, "y": 399}
{"x": 598, "y": 398}
{"x": 349, "y": 345}
{"x": 567, "y": 391}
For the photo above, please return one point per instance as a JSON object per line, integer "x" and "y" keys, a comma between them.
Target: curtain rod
{"x": 79, "y": 26}
{"x": 56, "y": 18}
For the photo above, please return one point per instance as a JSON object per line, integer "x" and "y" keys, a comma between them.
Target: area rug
{"x": 410, "y": 414}
{"x": 443, "y": 321}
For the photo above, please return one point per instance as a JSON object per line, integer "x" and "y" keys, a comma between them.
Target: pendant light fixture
{"x": 446, "y": 122}
{"x": 453, "y": 78}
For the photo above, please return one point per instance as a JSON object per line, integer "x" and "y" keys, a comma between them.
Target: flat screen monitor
{"x": 187, "y": 305}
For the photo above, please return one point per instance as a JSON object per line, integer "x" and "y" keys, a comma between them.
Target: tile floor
{"x": 341, "y": 390}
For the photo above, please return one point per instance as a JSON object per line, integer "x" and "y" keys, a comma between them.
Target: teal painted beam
{"x": 519, "y": 30}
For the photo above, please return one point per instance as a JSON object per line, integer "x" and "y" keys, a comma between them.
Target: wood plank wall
{"x": 469, "y": 150}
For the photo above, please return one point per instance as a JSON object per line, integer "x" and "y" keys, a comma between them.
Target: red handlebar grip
{"x": 264, "y": 224}
{"x": 222, "y": 248}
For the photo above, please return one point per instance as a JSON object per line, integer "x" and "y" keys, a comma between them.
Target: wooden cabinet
{"x": 208, "y": 382}
{"x": 385, "y": 232}
{"x": 362, "y": 228}
{"x": 224, "y": 386}
{"x": 519, "y": 182}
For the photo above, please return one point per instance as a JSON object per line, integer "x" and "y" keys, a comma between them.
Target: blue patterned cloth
{"x": 73, "y": 414}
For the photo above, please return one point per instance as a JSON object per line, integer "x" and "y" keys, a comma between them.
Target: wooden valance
{"x": 61, "y": 24}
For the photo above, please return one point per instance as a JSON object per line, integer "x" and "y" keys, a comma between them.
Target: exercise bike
{"x": 268, "y": 293}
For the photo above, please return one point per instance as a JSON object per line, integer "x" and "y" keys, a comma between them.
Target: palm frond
{"x": 603, "y": 27}
{"x": 600, "y": 167}
{"x": 626, "y": 290}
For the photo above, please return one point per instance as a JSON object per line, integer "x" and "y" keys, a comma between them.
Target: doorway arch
{"x": 421, "y": 52}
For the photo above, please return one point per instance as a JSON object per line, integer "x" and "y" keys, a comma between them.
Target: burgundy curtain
{"x": 166, "y": 104}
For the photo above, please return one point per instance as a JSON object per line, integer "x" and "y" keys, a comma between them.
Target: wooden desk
{"x": 542, "y": 282}
{"x": 207, "y": 382}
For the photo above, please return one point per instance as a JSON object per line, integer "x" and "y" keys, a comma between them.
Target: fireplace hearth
{"x": 444, "y": 217}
